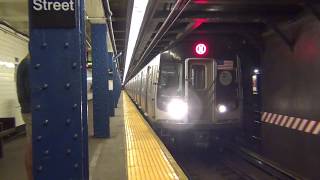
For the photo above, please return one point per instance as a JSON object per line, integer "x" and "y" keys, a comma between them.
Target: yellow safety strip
{"x": 147, "y": 157}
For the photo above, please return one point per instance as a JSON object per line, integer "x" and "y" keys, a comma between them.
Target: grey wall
{"x": 291, "y": 86}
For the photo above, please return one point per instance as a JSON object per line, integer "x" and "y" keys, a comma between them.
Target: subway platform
{"x": 132, "y": 152}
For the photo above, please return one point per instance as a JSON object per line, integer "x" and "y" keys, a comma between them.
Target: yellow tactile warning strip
{"x": 147, "y": 157}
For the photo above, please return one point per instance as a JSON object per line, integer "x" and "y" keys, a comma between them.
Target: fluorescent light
{"x": 139, "y": 8}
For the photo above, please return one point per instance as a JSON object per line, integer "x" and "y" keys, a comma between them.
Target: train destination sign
{"x": 53, "y": 13}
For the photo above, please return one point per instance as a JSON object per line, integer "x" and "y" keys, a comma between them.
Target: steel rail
{"x": 267, "y": 165}
{"x": 261, "y": 163}
{"x": 108, "y": 14}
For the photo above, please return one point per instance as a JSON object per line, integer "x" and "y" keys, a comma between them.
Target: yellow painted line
{"x": 147, "y": 157}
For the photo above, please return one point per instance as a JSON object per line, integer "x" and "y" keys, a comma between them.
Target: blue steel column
{"x": 115, "y": 88}
{"x": 100, "y": 80}
{"x": 110, "y": 79}
{"x": 119, "y": 85}
{"x": 84, "y": 109}
{"x": 116, "y": 83}
{"x": 58, "y": 126}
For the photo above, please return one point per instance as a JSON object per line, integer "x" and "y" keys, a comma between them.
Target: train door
{"x": 153, "y": 85}
{"x": 199, "y": 88}
{"x": 140, "y": 88}
{"x": 147, "y": 84}
{"x": 136, "y": 87}
{"x": 143, "y": 90}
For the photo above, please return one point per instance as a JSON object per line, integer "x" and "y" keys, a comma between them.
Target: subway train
{"x": 191, "y": 88}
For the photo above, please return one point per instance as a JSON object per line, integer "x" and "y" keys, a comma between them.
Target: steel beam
{"x": 114, "y": 78}
{"x": 110, "y": 83}
{"x": 290, "y": 43}
{"x": 311, "y": 5}
{"x": 58, "y": 114}
{"x": 83, "y": 54}
{"x": 100, "y": 81}
{"x": 167, "y": 24}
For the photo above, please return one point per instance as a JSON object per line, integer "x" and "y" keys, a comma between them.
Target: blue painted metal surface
{"x": 115, "y": 88}
{"x": 84, "y": 95}
{"x": 58, "y": 111}
{"x": 100, "y": 80}
{"x": 110, "y": 67}
{"x": 116, "y": 83}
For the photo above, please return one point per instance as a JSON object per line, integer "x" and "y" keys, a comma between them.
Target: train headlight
{"x": 221, "y": 108}
{"x": 177, "y": 109}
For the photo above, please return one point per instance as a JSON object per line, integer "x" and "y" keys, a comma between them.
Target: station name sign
{"x": 53, "y": 13}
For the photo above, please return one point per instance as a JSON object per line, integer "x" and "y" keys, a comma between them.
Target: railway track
{"x": 224, "y": 164}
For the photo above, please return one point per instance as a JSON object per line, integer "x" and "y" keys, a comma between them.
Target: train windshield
{"x": 170, "y": 79}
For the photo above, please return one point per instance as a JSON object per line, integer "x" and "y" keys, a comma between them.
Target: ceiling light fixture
{"x": 139, "y": 8}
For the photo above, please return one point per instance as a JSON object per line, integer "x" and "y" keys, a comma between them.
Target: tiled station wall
{"x": 13, "y": 48}
{"x": 291, "y": 98}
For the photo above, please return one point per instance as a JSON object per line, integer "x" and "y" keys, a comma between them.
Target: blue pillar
{"x": 57, "y": 78}
{"x": 84, "y": 108}
{"x": 111, "y": 83}
{"x": 116, "y": 82}
{"x": 115, "y": 85}
{"x": 115, "y": 88}
{"x": 119, "y": 85}
{"x": 100, "y": 80}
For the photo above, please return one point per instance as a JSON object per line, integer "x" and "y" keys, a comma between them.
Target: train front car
{"x": 198, "y": 94}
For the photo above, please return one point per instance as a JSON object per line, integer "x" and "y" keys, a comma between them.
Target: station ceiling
{"x": 15, "y": 14}
{"x": 121, "y": 15}
{"x": 160, "y": 31}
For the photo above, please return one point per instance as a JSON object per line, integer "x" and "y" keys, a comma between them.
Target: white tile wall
{"x": 12, "y": 50}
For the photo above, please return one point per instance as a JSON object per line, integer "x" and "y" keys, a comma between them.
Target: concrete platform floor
{"x": 106, "y": 156}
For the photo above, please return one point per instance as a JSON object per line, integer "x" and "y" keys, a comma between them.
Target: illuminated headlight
{"x": 222, "y": 108}
{"x": 177, "y": 109}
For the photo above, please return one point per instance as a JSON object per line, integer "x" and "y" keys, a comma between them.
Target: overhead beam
{"x": 187, "y": 30}
{"x": 228, "y": 2}
{"x": 175, "y": 13}
{"x": 248, "y": 2}
{"x": 312, "y": 8}
{"x": 161, "y": 15}
{"x": 282, "y": 35}
{"x": 148, "y": 25}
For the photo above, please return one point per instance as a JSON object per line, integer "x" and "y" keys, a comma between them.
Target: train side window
{"x": 198, "y": 76}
